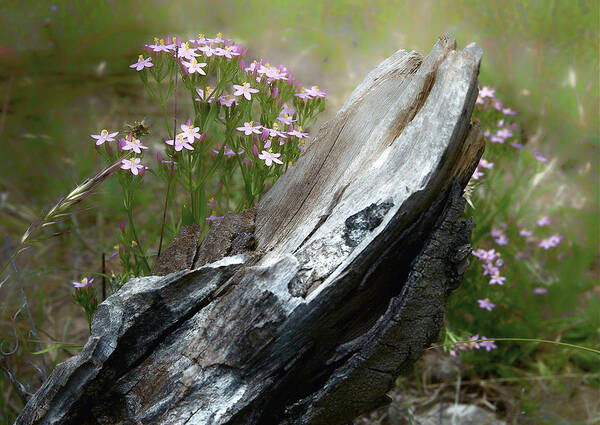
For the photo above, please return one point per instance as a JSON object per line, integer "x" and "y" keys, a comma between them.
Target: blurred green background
{"x": 64, "y": 75}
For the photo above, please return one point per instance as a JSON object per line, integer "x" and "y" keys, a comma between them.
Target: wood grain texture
{"x": 357, "y": 247}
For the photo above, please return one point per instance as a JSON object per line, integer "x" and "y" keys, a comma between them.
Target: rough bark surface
{"x": 305, "y": 310}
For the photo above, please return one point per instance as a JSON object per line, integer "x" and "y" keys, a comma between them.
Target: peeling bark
{"x": 305, "y": 310}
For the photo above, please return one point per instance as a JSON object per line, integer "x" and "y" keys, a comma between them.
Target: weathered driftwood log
{"x": 304, "y": 310}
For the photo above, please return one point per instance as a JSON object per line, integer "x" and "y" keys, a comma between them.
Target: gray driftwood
{"x": 319, "y": 298}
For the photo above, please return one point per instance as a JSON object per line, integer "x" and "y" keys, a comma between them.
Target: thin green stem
{"x": 145, "y": 264}
{"x": 543, "y": 341}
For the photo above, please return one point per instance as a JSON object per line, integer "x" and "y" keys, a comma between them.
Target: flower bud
{"x": 242, "y": 65}
{"x": 159, "y": 157}
{"x": 255, "y": 149}
{"x": 121, "y": 143}
{"x": 183, "y": 67}
{"x": 264, "y": 135}
{"x": 122, "y": 225}
{"x": 142, "y": 171}
{"x": 275, "y": 92}
{"x": 202, "y": 137}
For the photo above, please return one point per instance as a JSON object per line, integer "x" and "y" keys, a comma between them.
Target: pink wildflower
{"x": 551, "y": 242}
{"x": 132, "y": 164}
{"x": 213, "y": 217}
{"x": 486, "y": 304}
{"x": 497, "y": 279}
{"x": 270, "y": 157}
{"x": 286, "y": 119}
{"x": 490, "y": 269}
{"x": 193, "y": 66}
{"x": 486, "y": 91}
{"x": 477, "y": 174}
{"x": 142, "y": 63}
{"x": 298, "y": 133}
{"x": 525, "y": 233}
{"x": 488, "y": 344}
{"x": 190, "y": 132}
{"x": 250, "y": 128}
{"x": 187, "y": 52}
{"x": 540, "y": 291}
{"x": 180, "y": 142}
{"x": 541, "y": 158}
{"x": 83, "y": 283}
{"x": 104, "y": 136}
{"x": 133, "y": 144}
{"x": 315, "y": 92}
{"x": 485, "y": 164}
{"x": 244, "y": 90}
{"x": 543, "y": 221}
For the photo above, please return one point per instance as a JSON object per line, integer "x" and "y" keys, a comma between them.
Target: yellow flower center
{"x": 116, "y": 247}
{"x": 251, "y": 123}
{"x": 275, "y": 126}
{"x": 219, "y": 35}
{"x": 132, "y": 160}
{"x": 155, "y": 40}
{"x": 133, "y": 243}
{"x": 246, "y": 85}
{"x": 315, "y": 87}
{"x": 270, "y": 151}
{"x": 141, "y": 57}
{"x": 201, "y": 36}
{"x": 211, "y": 200}
{"x": 162, "y": 41}
{"x": 84, "y": 280}
{"x": 103, "y": 133}
{"x": 300, "y": 129}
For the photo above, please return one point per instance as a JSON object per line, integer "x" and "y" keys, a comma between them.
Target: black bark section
{"x": 359, "y": 224}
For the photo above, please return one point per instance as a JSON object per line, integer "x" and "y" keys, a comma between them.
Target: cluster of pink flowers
{"x": 311, "y": 93}
{"x": 499, "y": 235}
{"x": 127, "y": 143}
{"x": 259, "y": 70}
{"x": 491, "y": 266}
{"x": 186, "y": 138}
{"x": 505, "y": 130}
{"x": 475, "y": 343}
{"x": 487, "y": 99}
{"x": 551, "y": 242}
